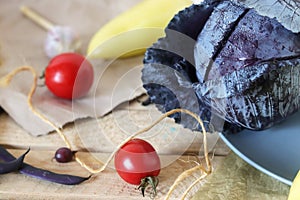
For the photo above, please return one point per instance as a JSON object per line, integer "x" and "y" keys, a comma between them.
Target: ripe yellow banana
{"x": 133, "y": 31}
{"x": 295, "y": 188}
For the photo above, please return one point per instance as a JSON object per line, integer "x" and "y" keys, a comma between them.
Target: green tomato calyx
{"x": 145, "y": 182}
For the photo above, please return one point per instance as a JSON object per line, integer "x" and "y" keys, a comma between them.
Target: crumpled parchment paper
{"x": 235, "y": 179}
{"x": 22, "y": 43}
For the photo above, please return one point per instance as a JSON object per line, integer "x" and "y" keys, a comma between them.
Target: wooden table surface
{"x": 21, "y": 42}
{"x": 175, "y": 144}
{"x": 105, "y": 185}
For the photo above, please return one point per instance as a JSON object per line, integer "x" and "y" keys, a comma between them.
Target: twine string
{"x": 7, "y": 79}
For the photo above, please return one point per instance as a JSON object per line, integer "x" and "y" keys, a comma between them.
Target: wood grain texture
{"x": 105, "y": 185}
{"x": 103, "y": 134}
{"x": 84, "y": 136}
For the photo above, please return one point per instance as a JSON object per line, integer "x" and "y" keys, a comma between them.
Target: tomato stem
{"x": 149, "y": 180}
{"x": 42, "y": 76}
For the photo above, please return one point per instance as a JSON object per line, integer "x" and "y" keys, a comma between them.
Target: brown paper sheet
{"x": 22, "y": 43}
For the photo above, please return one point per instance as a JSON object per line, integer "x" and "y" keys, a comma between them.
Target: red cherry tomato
{"x": 69, "y": 75}
{"x": 138, "y": 163}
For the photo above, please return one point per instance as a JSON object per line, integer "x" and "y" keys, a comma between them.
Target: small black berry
{"x": 63, "y": 155}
